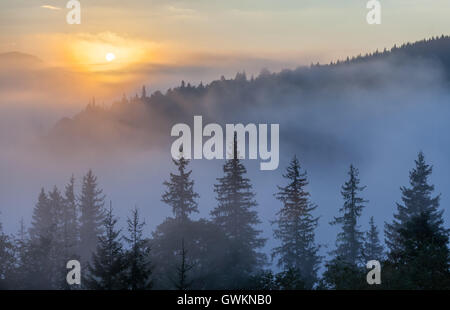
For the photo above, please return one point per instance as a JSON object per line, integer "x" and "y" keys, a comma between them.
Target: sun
{"x": 110, "y": 57}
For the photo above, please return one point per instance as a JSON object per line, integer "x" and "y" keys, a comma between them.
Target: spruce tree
{"x": 339, "y": 274}
{"x": 139, "y": 270}
{"x": 69, "y": 216}
{"x": 206, "y": 241}
{"x": 108, "y": 262}
{"x": 349, "y": 240}
{"x": 40, "y": 258}
{"x": 7, "y": 260}
{"x": 56, "y": 255}
{"x": 180, "y": 193}
{"x": 419, "y": 256}
{"x": 295, "y": 227}
{"x": 21, "y": 240}
{"x": 290, "y": 279}
{"x": 183, "y": 269}
{"x": 424, "y": 259}
{"x": 43, "y": 220}
{"x": 21, "y": 248}
{"x": 22, "y": 235}
{"x": 68, "y": 232}
{"x": 416, "y": 198}
{"x": 92, "y": 215}
{"x": 208, "y": 247}
{"x": 236, "y": 216}
{"x": 372, "y": 248}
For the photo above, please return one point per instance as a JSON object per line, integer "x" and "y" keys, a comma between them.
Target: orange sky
{"x": 161, "y": 42}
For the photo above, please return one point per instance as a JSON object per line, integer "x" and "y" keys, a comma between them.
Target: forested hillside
{"x": 353, "y": 185}
{"x": 143, "y": 120}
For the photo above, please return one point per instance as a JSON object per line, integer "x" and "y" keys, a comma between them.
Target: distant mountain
{"x": 19, "y": 59}
{"x": 26, "y": 80}
{"x": 144, "y": 120}
{"x": 436, "y": 48}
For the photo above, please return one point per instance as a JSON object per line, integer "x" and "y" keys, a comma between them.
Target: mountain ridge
{"x": 422, "y": 65}
{"x": 17, "y": 56}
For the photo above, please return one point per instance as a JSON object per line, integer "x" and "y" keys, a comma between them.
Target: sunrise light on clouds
{"x": 167, "y": 41}
{"x": 229, "y": 26}
{"x": 50, "y": 7}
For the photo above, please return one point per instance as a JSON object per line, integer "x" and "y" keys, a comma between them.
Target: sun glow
{"x": 110, "y": 57}
{"x": 107, "y": 52}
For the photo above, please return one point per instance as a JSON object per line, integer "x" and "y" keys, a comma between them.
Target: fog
{"x": 376, "y": 115}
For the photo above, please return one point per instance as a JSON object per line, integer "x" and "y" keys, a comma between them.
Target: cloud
{"x": 50, "y": 7}
{"x": 180, "y": 11}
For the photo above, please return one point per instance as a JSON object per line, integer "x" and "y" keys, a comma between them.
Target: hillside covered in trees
{"x": 143, "y": 120}
{"x": 367, "y": 116}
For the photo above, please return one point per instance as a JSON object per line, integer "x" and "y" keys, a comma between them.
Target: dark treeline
{"x": 143, "y": 120}
{"x": 224, "y": 251}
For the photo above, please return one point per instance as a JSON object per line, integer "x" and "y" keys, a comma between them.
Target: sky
{"x": 204, "y": 32}
{"x": 158, "y": 43}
